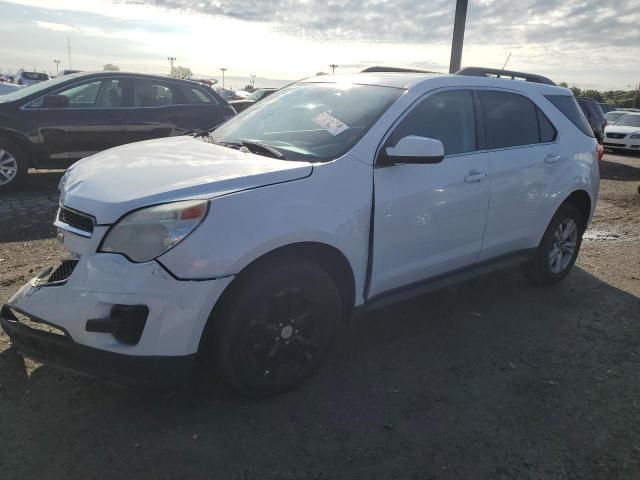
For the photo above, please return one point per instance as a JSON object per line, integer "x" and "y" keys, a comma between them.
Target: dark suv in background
{"x": 54, "y": 123}
{"x": 595, "y": 116}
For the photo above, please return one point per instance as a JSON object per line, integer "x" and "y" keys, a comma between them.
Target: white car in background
{"x": 244, "y": 247}
{"x": 624, "y": 133}
{"x": 26, "y": 78}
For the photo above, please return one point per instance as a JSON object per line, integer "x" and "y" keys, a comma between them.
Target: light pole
{"x": 223, "y": 70}
{"x": 253, "y": 80}
{"x": 458, "y": 35}
{"x": 171, "y": 60}
{"x": 57, "y": 62}
{"x": 69, "y": 51}
{"x": 333, "y": 67}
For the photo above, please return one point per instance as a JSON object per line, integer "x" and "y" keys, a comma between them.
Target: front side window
{"x": 310, "y": 121}
{"x": 82, "y": 96}
{"x": 151, "y": 93}
{"x": 447, "y": 116}
{"x": 95, "y": 94}
{"x": 509, "y": 119}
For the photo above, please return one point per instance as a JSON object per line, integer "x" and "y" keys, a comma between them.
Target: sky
{"x": 587, "y": 43}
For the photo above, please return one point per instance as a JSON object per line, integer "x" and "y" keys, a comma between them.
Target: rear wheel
{"x": 13, "y": 165}
{"x": 558, "y": 250}
{"x": 276, "y": 328}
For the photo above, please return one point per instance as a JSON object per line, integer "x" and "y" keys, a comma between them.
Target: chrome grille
{"x": 80, "y": 221}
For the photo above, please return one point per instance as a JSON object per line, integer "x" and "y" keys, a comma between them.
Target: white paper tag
{"x": 330, "y": 124}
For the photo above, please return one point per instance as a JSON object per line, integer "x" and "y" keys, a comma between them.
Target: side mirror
{"x": 413, "y": 149}
{"x": 55, "y": 101}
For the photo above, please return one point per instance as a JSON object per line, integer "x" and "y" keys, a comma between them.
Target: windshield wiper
{"x": 254, "y": 147}
{"x": 264, "y": 149}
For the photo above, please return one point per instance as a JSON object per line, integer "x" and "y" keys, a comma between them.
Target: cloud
{"x": 499, "y": 22}
{"x": 59, "y": 27}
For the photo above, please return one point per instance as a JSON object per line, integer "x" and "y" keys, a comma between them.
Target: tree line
{"x": 617, "y": 98}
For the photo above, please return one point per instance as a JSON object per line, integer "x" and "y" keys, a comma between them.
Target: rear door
{"x": 201, "y": 108}
{"x": 155, "y": 112}
{"x": 93, "y": 121}
{"x": 521, "y": 142}
{"x": 168, "y": 108}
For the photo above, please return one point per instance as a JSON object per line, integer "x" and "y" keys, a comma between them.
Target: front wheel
{"x": 276, "y": 328}
{"x": 13, "y": 165}
{"x": 558, "y": 250}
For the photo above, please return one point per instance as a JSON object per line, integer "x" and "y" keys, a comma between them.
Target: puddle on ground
{"x": 592, "y": 234}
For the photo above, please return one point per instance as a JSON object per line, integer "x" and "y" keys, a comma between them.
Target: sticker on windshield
{"x": 330, "y": 124}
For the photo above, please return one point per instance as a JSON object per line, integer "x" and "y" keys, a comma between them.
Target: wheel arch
{"x": 582, "y": 201}
{"x": 326, "y": 256}
{"x": 25, "y": 145}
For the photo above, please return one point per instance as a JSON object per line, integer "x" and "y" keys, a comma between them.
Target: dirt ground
{"x": 491, "y": 379}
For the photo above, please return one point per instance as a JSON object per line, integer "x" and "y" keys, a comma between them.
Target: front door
{"x": 93, "y": 121}
{"x": 429, "y": 219}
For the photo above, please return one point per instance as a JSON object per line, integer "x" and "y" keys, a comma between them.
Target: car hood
{"x": 111, "y": 183}
{"x": 620, "y": 129}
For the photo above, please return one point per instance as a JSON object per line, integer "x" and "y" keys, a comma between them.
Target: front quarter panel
{"x": 332, "y": 206}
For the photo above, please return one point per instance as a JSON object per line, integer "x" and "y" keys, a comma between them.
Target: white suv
{"x": 245, "y": 247}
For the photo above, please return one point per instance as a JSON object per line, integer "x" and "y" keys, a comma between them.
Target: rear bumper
{"x": 63, "y": 352}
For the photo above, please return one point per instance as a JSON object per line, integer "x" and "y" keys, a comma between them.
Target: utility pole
{"x": 333, "y": 67}
{"x": 458, "y": 35}
{"x": 57, "y": 62}
{"x": 223, "y": 70}
{"x": 253, "y": 80}
{"x": 171, "y": 60}
{"x": 69, "y": 51}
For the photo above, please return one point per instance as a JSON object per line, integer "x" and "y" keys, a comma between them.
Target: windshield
{"x": 612, "y": 116}
{"x": 35, "y": 76}
{"x": 30, "y": 90}
{"x": 310, "y": 121}
{"x": 629, "y": 121}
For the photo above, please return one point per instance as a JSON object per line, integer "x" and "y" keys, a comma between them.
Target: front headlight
{"x": 636, "y": 135}
{"x": 146, "y": 234}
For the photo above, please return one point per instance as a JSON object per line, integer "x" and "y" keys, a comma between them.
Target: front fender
{"x": 332, "y": 207}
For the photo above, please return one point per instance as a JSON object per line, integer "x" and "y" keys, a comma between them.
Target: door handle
{"x": 475, "y": 176}
{"x": 551, "y": 158}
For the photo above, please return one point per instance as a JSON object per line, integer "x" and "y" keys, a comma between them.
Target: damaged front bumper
{"x": 61, "y": 351}
{"x": 127, "y": 322}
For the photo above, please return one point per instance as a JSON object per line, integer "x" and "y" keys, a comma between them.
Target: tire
{"x": 13, "y": 165}
{"x": 276, "y": 327}
{"x": 555, "y": 256}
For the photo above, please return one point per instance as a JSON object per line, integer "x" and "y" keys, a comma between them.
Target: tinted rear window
{"x": 509, "y": 119}
{"x": 569, "y": 107}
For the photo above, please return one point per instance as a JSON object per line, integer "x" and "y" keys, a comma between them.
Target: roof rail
{"x": 393, "y": 69}
{"x": 494, "y": 72}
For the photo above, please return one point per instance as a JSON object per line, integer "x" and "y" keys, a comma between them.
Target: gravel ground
{"x": 493, "y": 378}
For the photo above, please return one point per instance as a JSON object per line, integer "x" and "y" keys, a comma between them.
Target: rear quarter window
{"x": 568, "y": 106}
